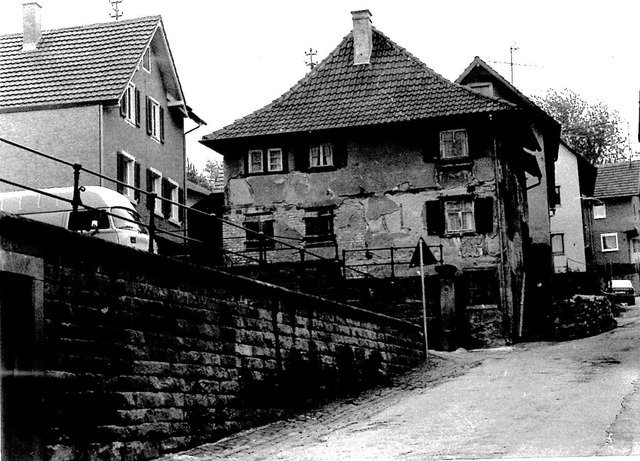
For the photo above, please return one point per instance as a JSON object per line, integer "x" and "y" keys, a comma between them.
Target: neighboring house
{"x": 373, "y": 149}
{"x": 616, "y": 219}
{"x": 538, "y": 256}
{"x": 106, "y": 96}
{"x": 570, "y": 225}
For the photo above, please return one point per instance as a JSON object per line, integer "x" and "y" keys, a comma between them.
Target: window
{"x": 453, "y": 144}
{"x": 171, "y": 211}
{"x": 599, "y": 211}
{"x": 128, "y": 173}
{"x": 146, "y": 60}
{"x": 260, "y": 162}
{"x": 556, "y": 201}
{"x": 459, "y": 216}
{"x": 130, "y": 105}
{"x": 255, "y": 225}
{"x": 319, "y": 225}
{"x": 155, "y": 120}
{"x": 464, "y": 214}
{"x": 320, "y": 155}
{"x": 609, "y": 242}
{"x": 482, "y": 286}
{"x": 557, "y": 244}
{"x": 482, "y": 88}
{"x": 255, "y": 161}
{"x": 154, "y": 184}
{"x": 274, "y": 160}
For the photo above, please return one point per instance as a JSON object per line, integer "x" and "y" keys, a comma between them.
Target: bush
{"x": 581, "y": 316}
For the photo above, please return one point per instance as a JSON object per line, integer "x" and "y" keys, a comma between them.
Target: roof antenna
{"x": 116, "y": 10}
{"x": 311, "y": 63}
{"x": 512, "y": 48}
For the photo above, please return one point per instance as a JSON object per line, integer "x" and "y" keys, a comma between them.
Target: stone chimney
{"x": 362, "y": 37}
{"x": 31, "y": 26}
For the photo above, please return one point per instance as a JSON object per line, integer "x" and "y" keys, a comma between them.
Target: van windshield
{"x": 124, "y": 218}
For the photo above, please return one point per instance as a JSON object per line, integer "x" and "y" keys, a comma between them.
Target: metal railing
{"x": 266, "y": 244}
{"x": 383, "y": 257}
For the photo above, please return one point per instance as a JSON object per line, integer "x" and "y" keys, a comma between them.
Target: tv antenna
{"x": 512, "y": 49}
{"x": 310, "y": 54}
{"x": 115, "y": 4}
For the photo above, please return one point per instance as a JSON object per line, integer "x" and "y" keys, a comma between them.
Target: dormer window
{"x": 454, "y": 144}
{"x": 146, "y": 60}
{"x": 320, "y": 155}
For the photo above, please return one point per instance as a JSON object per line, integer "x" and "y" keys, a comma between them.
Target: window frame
{"x": 154, "y": 119}
{"x": 464, "y": 201}
{"x": 602, "y": 240}
{"x": 603, "y": 215}
{"x": 174, "y": 196}
{"x": 156, "y": 176}
{"x": 319, "y": 218}
{"x": 323, "y": 160}
{"x": 129, "y": 175}
{"x": 146, "y": 60}
{"x": 553, "y": 250}
{"x": 250, "y": 154}
{"x": 265, "y": 224}
{"x": 270, "y": 151}
{"x": 443, "y": 145}
{"x": 130, "y": 101}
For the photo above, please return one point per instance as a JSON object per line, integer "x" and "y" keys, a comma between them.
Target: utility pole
{"x": 115, "y": 4}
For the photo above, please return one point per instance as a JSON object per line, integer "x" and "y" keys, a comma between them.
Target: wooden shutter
{"x": 181, "y": 202}
{"x": 136, "y": 180}
{"x": 148, "y": 118}
{"x": 123, "y": 103}
{"x": 431, "y": 146}
{"x": 120, "y": 170}
{"x": 149, "y": 188}
{"x": 435, "y": 217}
{"x": 302, "y": 157}
{"x": 166, "y": 193}
{"x": 137, "y": 107}
{"x": 483, "y": 210}
{"x": 161, "y": 134}
{"x": 340, "y": 155}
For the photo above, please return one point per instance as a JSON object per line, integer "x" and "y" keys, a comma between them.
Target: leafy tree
{"x": 199, "y": 178}
{"x": 590, "y": 129}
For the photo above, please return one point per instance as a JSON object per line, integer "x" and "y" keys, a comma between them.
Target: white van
{"x": 122, "y": 225}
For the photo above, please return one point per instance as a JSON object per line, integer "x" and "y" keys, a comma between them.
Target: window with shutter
{"x": 319, "y": 225}
{"x": 130, "y": 103}
{"x": 154, "y": 184}
{"x": 127, "y": 173}
{"x": 154, "y": 119}
{"x": 459, "y": 216}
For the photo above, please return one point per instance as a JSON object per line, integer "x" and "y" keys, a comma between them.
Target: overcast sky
{"x": 235, "y": 56}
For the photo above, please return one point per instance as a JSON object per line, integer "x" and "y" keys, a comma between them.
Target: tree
{"x": 198, "y": 177}
{"x": 590, "y": 129}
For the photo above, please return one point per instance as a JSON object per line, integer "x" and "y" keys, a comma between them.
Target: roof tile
{"x": 617, "y": 180}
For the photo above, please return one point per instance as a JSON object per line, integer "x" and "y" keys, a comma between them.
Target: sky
{"x": 235, "y": 56}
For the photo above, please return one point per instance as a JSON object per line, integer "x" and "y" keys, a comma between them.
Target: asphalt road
{"x": 575, "y": 398}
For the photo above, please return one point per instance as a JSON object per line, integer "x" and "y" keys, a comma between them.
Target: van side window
{"x": 83, "y": 220}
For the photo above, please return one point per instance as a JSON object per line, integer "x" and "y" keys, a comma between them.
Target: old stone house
{"x": 106, "y": 96}
{"x": 373, "y": 149}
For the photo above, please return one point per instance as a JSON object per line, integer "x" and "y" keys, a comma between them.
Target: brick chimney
{"x": 362, "y": 37}
{"x": 31, "y": 26}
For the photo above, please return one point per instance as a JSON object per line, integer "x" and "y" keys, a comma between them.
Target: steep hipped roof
{"x": 76, "y": 65}
{"x": 394, "y": 87}
{"x": 618, "y": 180}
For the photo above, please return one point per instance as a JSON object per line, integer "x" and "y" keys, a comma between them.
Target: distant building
{"x": 106, "y": 96}
{"x": 373, "y": 149}
{"x": 571, "y": 221}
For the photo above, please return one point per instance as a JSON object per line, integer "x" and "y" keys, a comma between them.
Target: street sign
{"x": 427, "y": 256}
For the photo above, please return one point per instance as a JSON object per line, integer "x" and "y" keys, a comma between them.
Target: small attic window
{"x": 146, "y": 60}
{"x": 484, "y": 88}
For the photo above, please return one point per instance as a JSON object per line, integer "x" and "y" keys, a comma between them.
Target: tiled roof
{"x": 73, "y": 65}
{"x": 395, "y": 87}
{"x": 618, "y": 180}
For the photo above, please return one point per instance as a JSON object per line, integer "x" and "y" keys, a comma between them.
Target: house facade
{"x": 571, "y": 219}
{"x": 373, "y": 150}
{"x": 105, "y": 96}
{"x": 615, "y": 210}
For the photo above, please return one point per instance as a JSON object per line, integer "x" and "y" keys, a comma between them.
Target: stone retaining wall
{"x": 142, "y": 355}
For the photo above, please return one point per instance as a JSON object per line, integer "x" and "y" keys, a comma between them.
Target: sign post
{"x": 422, "y": 255}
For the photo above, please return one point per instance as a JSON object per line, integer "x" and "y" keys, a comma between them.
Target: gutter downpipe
{"x": 501, "y": 238}
{"x": 100, "y": 142}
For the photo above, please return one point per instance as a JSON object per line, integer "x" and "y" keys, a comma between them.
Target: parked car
{"x": 622, "y": 291}
{"x": 112, "y": 217}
